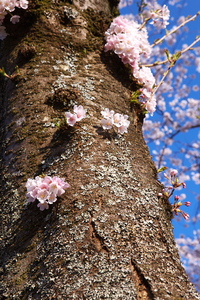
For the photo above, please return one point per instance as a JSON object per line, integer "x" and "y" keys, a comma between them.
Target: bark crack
{"x": 142, "y": 286}
{"x": 97, "y": 240}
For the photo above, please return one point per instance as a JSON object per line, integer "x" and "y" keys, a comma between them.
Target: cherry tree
{"x": 83, "y": 213}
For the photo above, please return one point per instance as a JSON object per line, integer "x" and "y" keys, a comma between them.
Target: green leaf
{"x": 168, "y": 54}
{"x": 135, "y": 96}
{"x": 162, "y": 169}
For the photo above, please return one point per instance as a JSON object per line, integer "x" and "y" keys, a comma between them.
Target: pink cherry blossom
{"x": 53, "y": 187}
{"x": 160, "y": 17}
{"x": 123, "y": 128}
{"x": 45, "y": 190}
{"x": 106, "y": 113}
{"x": 71, "y": 118}
{"x": 22, "y": 4}
{"x": 114, "y": 119}
{"x": 30, "y": 198}
{"x": 107, "y": 123}
{"x": 130, "y": 42}
{"x": 14, "y": 19}
{"x": 43, "y": 205}
{"x": 42, "y": 195}
{"x": 8, "y": 6}
{"x": 52, "y": 198}
{"x": 31, "y": 184}
{"x": 117, "y": 119}
{"x": 124, "y": 124}
{"x": 80, "y": 112}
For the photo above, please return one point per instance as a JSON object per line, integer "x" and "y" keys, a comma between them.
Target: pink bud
{"x": 185, "y": 216}
{"x": 160, "y": 194}
{"x": 187, "y": 203}
{"x": 174, "y": 172}
{"x": 176, "y": 198}
{"x": 184, "y": 185}
{"x": 165, "y": 175}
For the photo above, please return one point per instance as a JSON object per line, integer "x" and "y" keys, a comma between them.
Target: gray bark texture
{"x": 109, "y": 236}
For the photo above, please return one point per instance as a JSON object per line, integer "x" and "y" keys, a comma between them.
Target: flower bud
{"x": 185, "y": 216}
{"x": 173, "y": 172}
{"x": 184, "y": 185}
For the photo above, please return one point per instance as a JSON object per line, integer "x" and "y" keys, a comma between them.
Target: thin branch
{"x": 175, "y": 29}
{"x": 157, "y": 63}
{"x": 144, "y": 23}
{"x": 173, "y": 59}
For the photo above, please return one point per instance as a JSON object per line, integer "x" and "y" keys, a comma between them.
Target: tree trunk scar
{"x": 97, "y": 240}
{"x": 141, "y": 284}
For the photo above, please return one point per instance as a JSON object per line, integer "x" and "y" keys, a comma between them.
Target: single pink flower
{"x": 42, "y": 195}
{"x": 47, "y": 179}
{"x": 22, "y": 3}
{"x": 53, "y": 187}
{"x": 107, "y": 123}
{"x": 107, "y": 114}
{"x": 31, "y": 184}
{"x": 14, "y": 19}
{"x": 52, "y": 198}
{"x": 71, "y": 118}
{"x": 80, "y": 112}
{"x": 43, "y": 205}
{"x": 117, "y": 118}
{"x": 30, "y": 198}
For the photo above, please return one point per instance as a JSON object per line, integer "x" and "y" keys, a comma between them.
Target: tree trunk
{"x": 109, "y": 236}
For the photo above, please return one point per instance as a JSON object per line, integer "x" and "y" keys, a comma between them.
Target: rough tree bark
{"x": 109, "y": 236}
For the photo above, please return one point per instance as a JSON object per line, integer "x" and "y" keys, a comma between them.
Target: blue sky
{"x": 190, "y": 7}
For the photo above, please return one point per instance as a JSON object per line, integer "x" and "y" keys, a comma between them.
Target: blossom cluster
{"x": 45, "y": 190}
{"x": 8, "y": 6}
{"x": 114, "y": 119}
{"x": 158, "y": 15}
{"x": 78, "y": 115}
{"x": 130, "y": 42}
{"x": 168, "y": 192}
